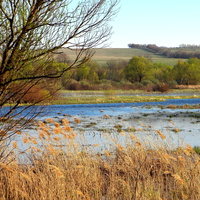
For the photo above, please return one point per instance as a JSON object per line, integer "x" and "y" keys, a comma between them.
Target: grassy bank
{"x": 74, "y": 171}
{"x": 114, "y": 99}
{"x": 119, "y": 96}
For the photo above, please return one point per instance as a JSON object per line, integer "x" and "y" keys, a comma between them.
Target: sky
{"x": 167, "y": 23}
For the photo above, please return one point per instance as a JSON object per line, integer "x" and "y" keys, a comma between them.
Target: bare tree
{"x": 31, "y": 32}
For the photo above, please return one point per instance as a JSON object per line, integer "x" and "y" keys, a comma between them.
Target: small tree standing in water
{"x": 31, "y": 32}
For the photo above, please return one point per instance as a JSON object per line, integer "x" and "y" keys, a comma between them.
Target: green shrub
{"x": 197, "y": 149}
{"x": 146, "y": 82}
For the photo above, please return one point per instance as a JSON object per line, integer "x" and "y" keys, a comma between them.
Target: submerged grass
{"x": 60, "y": 167}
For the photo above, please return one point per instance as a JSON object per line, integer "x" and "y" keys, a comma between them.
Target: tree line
{"x": 184, "y": 51}
{"x": 137, "y": 73}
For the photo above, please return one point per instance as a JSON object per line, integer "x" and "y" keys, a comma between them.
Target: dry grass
{"x": 187, "y": 87}
{"x": 74, "y": 171}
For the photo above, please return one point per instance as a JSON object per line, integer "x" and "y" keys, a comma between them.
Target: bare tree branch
{"x": 32, "y": 30}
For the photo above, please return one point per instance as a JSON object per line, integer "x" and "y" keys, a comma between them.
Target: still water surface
{"x": 52, "y": 111}
{"x": 111, "y": 108}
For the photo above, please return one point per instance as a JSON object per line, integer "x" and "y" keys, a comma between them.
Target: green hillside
{"x": 106, "y": 54}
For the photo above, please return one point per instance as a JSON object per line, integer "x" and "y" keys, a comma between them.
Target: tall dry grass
{"x": 60, "y": 167}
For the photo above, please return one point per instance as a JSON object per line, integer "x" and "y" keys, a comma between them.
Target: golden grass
{"x": 74, "y": 171}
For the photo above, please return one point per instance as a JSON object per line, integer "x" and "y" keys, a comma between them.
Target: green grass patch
{"x": 197, "y": 149}
{"x": 114, "y": 98}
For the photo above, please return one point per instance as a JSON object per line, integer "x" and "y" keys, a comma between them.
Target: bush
{"x": 126, "y": 85}
{"x": 34, "y": 94}
{"x": 146, "y": 82}
{"x": 155, "y": 81}
{"x": 148, "y": 85}
{"x": 172, "y": 84}
{"x": 105, "y": 84}
{"x": 161, "y": 87}
{"x": 197, "y": 149}
{"x": 85, "y": 85}
{"x": 72, "y": 85}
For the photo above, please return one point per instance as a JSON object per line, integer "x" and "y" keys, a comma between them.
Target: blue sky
{"x": 161, "y": 22}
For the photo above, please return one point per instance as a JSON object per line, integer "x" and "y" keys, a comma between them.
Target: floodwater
{"x": 143, "y": 120}
{"x": 111, "y": 108}
{"x": 88, "y": 110}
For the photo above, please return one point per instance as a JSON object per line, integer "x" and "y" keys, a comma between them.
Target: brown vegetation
{"x": 187, "y": 87}
{"x": 34, "y": 94}
{"x": 75, "y": 171}
{"x": 161, "y": 87}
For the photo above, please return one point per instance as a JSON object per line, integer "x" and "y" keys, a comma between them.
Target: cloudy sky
{"x": 161, "y": 22}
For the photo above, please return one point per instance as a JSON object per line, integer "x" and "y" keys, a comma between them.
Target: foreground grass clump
{"x": 76, "y": 171}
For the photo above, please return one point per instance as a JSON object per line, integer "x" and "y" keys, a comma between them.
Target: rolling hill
{"x": 106, "y": 54}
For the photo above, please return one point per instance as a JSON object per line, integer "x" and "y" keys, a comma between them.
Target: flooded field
{"x": 97, "y": 122}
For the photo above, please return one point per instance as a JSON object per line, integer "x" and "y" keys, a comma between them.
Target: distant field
{"x": 107, "y": 54}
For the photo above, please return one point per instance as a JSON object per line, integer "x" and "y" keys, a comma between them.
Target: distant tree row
{"x": 191, "y": 46}
{"x": 137, "y": 73}
{"x": 181, "y": 52}
{"x": 184, "y": 73}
